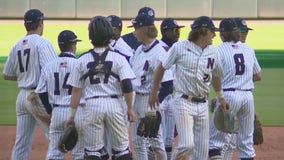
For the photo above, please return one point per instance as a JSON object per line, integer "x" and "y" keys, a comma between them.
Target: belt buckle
{"x": 198, "y": 99}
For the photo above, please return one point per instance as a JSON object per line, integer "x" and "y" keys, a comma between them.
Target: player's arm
{"x": 127, "y": 90}
{"x": 44, "y": 99}
{"x": 257, "y": 77}
{"x": 75, "y": 101}
{"x": 158, "y": 75}
{"x": 165, "y": 90}
{"x": 9, "y": 71}
{"x": 216, "y": 83}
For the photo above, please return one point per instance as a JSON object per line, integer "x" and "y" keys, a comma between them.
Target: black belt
{"x": 195, "y": 99}
{"x": 59, "y": 105}
{"x": 113, "y": 96}
{"x": 30, "y": 88}
{"x": 235, "y": 89}
{"x": 142, "y": 94}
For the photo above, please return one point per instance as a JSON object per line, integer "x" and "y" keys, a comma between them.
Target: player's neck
{"x": 34, "y": 32}
{"x": 147, "y": 42}
{"x": 200, "y": 43}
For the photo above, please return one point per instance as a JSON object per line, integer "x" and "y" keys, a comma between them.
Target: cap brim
{"x": 180, "y": 26}
{"x": 250, "y": 29}
{"x": 76, "y": 40}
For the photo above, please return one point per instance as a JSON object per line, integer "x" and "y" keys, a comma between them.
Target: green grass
{"x": 266, "y": 39}
{"x": 268, "y": 98}
{"x": 263, "y": 37}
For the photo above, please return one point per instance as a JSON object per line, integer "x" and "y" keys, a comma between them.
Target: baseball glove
{"x": 225, "y": 121}
{"x": 257, "y": 133}
{"x": 150, "y": 124}
{"x": 69, "y": 139}
{"x": 37, "y": 108}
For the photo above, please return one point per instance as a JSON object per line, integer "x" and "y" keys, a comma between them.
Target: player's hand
{"x": 131, "y": 115}
{"x": 153, "y": 100}
{"x": 225, "y": 105}
{"x": 69, "y": 121}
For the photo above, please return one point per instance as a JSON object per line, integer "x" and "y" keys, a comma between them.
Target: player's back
{"x": 56, "y": 74}
{"x": 104, "y": 84}
{"x": 238, "y": 63}
{"x": 27, "y": 57}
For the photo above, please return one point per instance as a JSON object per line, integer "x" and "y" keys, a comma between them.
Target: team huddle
{"x": 154, "y": 89}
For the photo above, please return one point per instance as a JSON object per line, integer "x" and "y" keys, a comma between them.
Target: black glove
{"x": 150, "y": 124}
{"x": 69, "y": 139}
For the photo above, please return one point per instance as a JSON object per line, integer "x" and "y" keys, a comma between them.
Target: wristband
{"x": 73, "y": 112}
{"x": 220, "y": 94}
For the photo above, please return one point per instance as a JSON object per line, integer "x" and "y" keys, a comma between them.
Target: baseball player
{"x": 244, "y": 29}
{"x": 23, "y": 65}
{"x": 240, "y": 67}
{"x": 170, "y": 34}
{"x": 230, "y": 145}
{"x": 196, "y": 62}
{"x": 116, "y": 23}
{"x": 52, "y": 81}
{"x": 145, "y": 60}
{"x": 129, "y": 41}
{"x": 103, "y": 77}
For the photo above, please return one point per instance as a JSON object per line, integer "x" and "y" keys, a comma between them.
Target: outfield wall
{"x": 183, "y": 9}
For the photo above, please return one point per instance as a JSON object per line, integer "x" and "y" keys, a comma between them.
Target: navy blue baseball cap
{"x": 169, "y": 23}
{"x": 203, "y": 21}
{"x": 147, "y": 10}
{"x": 242, "y": 25}
{"x": 67, "y": 37}
{"x": 33, "y": 16}
{"x": 228, "y": 25}
{"x": 115, "y": 21}
{"x": 142, "y": 20}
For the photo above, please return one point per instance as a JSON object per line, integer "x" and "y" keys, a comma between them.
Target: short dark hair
{"x": 32, "y": 27}
{"x": 230, "y": 36}
{"x": 66, "y": 47}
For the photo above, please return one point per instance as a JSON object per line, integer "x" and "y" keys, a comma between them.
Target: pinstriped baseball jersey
{"x": 122, "y": 48}
{"x": 101, "y": 85}
{"x": 126, "y": 47}
{"x": 54, "y": 78}
{"x": 144, "y": 64}
{"x": 240, "y": 59}
{"x": 194, "y": 67}
{"x": 25, "y": 57}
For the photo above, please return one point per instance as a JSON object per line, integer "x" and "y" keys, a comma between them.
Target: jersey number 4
{"x": 64, "y": 85}
{"x": 20, "y": 59}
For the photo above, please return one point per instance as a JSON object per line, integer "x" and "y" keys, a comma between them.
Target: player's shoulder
{"x": 182, "y": 43}
{"x": 128, "y": 36}
{"x": 84, "y": 54}
{"x": 115, "y": 54}
{"x": 39, "y": 39}
{"x": 246, "y": 46}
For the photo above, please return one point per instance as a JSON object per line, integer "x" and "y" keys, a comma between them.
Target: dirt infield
{"x": 272, "y": 149}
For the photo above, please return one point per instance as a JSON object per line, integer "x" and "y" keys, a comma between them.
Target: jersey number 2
{"x": 20, "y": 59}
